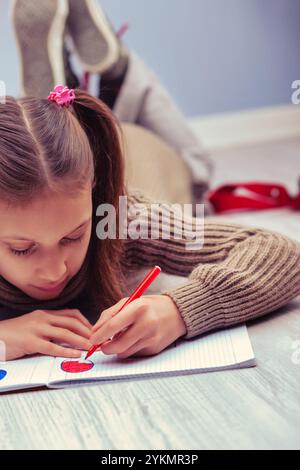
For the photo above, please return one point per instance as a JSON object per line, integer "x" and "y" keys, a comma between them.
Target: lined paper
{"x": 26, "y": 372}
{"x": 225, "y": 349}
{"x": 230, "y": 348}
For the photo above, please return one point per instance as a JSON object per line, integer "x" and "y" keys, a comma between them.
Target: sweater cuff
{"x": 200, "y": 309}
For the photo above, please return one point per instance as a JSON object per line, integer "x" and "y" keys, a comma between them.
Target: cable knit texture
{"x": 239, "y": 273}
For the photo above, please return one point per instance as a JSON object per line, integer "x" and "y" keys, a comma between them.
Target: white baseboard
{"x": 248, "y": 127}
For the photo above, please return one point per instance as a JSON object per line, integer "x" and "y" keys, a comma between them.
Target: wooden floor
{"x": 255, "y": 408}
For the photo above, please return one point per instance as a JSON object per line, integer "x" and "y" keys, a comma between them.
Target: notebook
{"x": 225, "y": 349}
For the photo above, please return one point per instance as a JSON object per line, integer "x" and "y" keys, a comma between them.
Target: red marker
{"x": 135, "y": 295}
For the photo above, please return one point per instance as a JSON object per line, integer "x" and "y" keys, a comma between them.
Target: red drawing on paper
{"x": 76, "y": 367}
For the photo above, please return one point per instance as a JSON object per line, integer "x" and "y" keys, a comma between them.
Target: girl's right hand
{"x": 36, "y": 332}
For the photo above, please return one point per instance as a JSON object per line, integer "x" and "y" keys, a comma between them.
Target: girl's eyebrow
{"x": 15, "y": 237}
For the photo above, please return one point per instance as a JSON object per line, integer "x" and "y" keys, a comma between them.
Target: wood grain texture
{"x": 256, "y": 408}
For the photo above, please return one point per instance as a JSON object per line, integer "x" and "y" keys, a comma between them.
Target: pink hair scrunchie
{"x": 63, "y": 95}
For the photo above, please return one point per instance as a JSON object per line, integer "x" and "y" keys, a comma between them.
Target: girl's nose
{"x": 55, "y": 272}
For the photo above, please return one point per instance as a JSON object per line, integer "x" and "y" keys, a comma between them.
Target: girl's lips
{"x": 51, "y": 289}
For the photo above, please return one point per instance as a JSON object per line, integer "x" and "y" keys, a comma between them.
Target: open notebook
{"x": 226, "y": 349}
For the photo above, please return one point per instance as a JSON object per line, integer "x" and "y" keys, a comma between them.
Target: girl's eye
{"x": 29, "y": 250}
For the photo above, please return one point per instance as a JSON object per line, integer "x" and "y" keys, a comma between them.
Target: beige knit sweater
{"x": 239, "y": 273}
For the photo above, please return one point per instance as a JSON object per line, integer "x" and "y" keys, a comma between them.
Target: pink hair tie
{"x": 63, "y": 95}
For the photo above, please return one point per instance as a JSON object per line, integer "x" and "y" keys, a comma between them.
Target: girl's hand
{"x": 152, "y": 323}
{"x": 34, "y": 332}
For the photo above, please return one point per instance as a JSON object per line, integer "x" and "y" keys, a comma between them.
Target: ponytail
{"x": 103, "y": 132}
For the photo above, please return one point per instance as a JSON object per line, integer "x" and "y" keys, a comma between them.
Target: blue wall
{"x": 213, "y": 55}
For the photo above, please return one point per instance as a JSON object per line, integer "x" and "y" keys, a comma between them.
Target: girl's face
{"x": 46, "y": 243}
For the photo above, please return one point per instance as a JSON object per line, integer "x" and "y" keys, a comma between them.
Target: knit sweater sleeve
{"x": 237, "y": 274}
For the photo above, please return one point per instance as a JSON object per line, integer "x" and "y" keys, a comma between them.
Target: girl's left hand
{"x": 152, "y": 323}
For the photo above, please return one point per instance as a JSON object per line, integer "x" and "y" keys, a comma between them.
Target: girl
{"x": 60, "y": 160}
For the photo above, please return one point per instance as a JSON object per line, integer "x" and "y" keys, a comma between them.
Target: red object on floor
{"x": 251, "y": 196}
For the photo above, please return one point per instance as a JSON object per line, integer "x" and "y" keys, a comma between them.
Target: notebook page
{"x": 242, "y": 349}
{"x": 224, "y": 349}
{"x": 31, "y": 371}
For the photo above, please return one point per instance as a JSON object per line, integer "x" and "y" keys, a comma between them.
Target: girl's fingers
{"x": 118, "y": 335}
{"x": 71, "y": 324}
{"x": 134, "y": 349}
{"x": 108, "y": 313}
{"x": 66, "y": 336}
{"x": 73, "y": 313}
{"x": 124, "y": 341}
{"x": 51, "y": 349}
{"x": 117, "y": 323}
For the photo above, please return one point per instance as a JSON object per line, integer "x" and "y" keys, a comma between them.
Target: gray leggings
{"x": 143, "y": 100}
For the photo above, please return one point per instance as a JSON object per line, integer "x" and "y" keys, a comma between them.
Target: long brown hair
{"x": 44, "y": 146}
